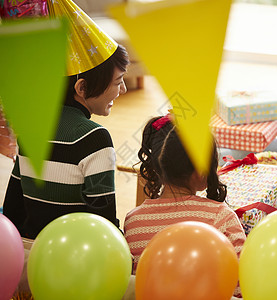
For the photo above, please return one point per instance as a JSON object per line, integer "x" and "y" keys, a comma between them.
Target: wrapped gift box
{"x": 18, "y": 8}
{"x": 247, "y": 107}
{"x": 248, "y": 186}
{"x": 249, "y": 137}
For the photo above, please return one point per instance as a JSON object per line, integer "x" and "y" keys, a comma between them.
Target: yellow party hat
{"x": 89, "y": 45}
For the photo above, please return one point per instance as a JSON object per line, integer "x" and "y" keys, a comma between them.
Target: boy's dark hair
{"x": 98, "y": 78}
{"x": 164, "y": 160}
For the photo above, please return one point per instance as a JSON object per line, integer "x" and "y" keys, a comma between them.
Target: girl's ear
{"x": 80, "y": 88}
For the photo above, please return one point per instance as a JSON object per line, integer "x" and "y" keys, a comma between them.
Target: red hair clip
{"x": 160, "y": 123}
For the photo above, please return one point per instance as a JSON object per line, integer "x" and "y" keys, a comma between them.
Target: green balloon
{"x": 258, "y": 261}
{"x": 79, "y": 256}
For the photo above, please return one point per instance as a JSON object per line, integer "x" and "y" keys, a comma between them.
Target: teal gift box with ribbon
{"x": 245, "y": 107}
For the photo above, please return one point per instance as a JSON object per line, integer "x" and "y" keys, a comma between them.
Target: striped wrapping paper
{"x": 249, "y": 137}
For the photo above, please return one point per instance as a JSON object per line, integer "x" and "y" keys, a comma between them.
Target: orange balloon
{"x": 187, "y": 260}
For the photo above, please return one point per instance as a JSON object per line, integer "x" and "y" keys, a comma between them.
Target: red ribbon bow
{"x": 250, "y": 159}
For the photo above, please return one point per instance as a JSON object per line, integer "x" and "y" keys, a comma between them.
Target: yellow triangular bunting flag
{"x": 181, "y": 44}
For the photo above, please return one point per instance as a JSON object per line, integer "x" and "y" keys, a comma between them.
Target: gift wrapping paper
{"x": 248, "y": 184}
{"x": 249, "y": 137}
{"x": 247, "y": 107}
{"x": 13, "y": 9}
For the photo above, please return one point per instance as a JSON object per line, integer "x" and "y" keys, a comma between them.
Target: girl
{"x": 171, "y": 185}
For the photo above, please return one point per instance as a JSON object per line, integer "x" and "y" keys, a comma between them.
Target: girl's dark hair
{"x": 216, "y": 190}
{"x": 152, "y": 141}
{"x": 98, "y": 78}
{"x": 165, "y": 161}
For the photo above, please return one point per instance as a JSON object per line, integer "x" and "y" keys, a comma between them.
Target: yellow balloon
{"x": 258, "y": 261}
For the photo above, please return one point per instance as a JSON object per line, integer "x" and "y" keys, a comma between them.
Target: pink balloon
{"x": 11, "y": 258}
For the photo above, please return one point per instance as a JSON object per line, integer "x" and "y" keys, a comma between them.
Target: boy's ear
{"x": 80, "y": 87}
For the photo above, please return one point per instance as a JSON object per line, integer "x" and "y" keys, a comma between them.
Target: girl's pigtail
{"x": 153, "y": 184}
{"x": 216, "y": 190}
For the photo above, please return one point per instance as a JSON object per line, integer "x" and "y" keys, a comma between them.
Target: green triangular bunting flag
{"x": 32, "y": 82}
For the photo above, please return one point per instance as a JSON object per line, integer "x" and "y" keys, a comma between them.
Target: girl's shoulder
{"x": 136, "y": 210}
{"x": 203, "y": 198}
{"x": 220, "y": 206}
{"x": 144, "y": 208}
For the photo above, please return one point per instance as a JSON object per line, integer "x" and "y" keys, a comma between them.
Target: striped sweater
{"x": 153, "y": 215}
{"x": 78, "y": 177}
